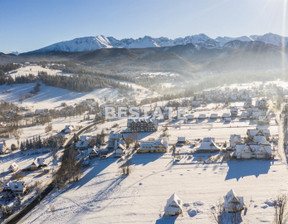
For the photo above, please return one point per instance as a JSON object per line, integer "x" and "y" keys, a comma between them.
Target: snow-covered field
{"x": 50, "y": 97}
{"x": 104, "y": 196}
{"x": 34, "y": 69}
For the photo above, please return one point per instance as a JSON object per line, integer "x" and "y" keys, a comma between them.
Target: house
{"x": 234, "y": 111}
{"x": 233, "y": 203}
{"x": 153, "y": 146}
{"x": 40, "y": 162}
{"x": 113, "y": 137}
{"x": 174, "y": 205}
{"x": 248, "y": 103}
{"x": 202, "y": 117}
{"x": 3, "y": 148}
{"x": 244, "y": 115}
{"x": 13, "y": 167}
{"x": 93, "y": 152}
{"x": 256, "y": 151}
{"x": 83, "y": 143}
{"x": 261, "y": 104}
{"x": 17, "y": 187}
{"x": 208, "y": 145}
{"x": 181, "y": 141}
{"x": 258, "y": 140}
{"x": 234, "y": 140}
{"x": 225, "y": 116}
{"x": 68, "y": 129}
{"x": 263, "y": 120}
{"x": 36, "y": 164}
{"x": 142, "y": 125}
{"x": 190, "y": 117}
{"x": 119, "y": 148}
{"x": 251, "y": 133}
{"x": 214, "y": 116}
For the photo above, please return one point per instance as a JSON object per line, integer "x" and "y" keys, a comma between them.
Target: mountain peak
{"x": 200, "y": 40}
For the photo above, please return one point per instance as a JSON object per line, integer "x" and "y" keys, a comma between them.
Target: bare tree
{"x": 217, "y": 212}
{"x": 48, "y": 128}
{"x": 280, "y": 206}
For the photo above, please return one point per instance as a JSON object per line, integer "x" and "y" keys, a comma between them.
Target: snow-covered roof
{"x": 181, "y": 139}
{"x": 231, "y": 197}
{"x": 260, "y": 140}
{"x": 17, "y": 186}
{"x": 174, "y": 203}
{"x": 209, "y": 145}
{"x": 235, "y": 138}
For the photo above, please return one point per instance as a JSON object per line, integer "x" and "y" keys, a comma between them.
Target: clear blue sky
{"x": 31, "y": 24}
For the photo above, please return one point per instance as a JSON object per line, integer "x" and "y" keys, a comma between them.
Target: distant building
{"x": 181, "y": 141}
{"x": 202, "y": 117}
{"x": 3, "y": 148}
{"x": 262, "y": 104}
{"x": 68, "y": 129}
{"x": 234, "y": 111}
{"x": 142, "y": 125}
{"x": 214, "y": 116}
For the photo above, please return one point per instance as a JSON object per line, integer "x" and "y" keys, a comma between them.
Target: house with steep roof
{"x": 233, "y": 203}
{"x": 208, "y": 145}
{"x": 234, "y": 140}
{"x": 256, "y": 151}
{"x": 174, "y": 205}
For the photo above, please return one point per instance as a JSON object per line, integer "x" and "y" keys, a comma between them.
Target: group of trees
{"x": 37, "y": 142}
{"x": 70, "y": 169}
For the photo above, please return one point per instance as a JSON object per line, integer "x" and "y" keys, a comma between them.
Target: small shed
{"x": 173, "y": 206}
{"x": 232, "y": 202}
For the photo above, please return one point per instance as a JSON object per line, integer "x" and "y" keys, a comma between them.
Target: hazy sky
{"x": 31, "y": 24}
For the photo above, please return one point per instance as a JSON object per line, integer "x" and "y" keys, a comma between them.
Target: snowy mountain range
{"x": 199, "y": 40}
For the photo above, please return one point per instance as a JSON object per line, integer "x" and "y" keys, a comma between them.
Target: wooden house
{"x": 174, "y": 205}
{"x": 233, "y": 203}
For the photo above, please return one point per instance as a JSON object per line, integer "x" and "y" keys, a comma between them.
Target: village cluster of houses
{"x": 20, "y": 187}
{"x": 256, "y": 145}
{"x": 257, "y": 112}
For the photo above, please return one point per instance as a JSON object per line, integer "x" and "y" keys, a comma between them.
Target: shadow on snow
{"x": 240, "y": 169}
